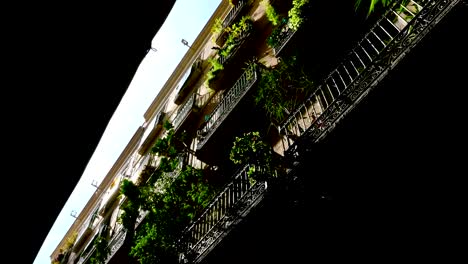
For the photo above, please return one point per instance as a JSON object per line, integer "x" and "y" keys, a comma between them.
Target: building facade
{"x": 286, "y": 74}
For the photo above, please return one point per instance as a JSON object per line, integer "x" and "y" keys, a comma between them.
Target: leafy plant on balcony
{"x": 251, "y": 149}
{"x": 271, "y": 13}
{"x": 217, "y": 27}
{"x": 216, "y": 67}
{"x": 295, "y": 14}
{"x": 237, "y": 32}
{"x": 171, "y": 202}
{"x": 281, "y": 24}
{"x": 145, "y": 174}
{"x": 281, "y": 88}
{"x": 101, "y": 252}
{"x": 277, "y": 34}
{"x": 131, "y": 208}
{"x": 373, "y": 4}
{"x": 169, "y": 212}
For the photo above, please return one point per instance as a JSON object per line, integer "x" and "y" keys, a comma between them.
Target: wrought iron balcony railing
{"x": 394, "y": 34}
{"x": 86, "y": 257}
{"x": 233, "y": 13}
{"x": 286, "y": 33}
{"x": 116, "y": 242}
{"x": 169, "y": 177}
{"x": 229, "y": 101}
{"x": 225, "y": 210}
{"x": 147, "y": 159}
{"x": 183, "y": 111}
{"x": 240, "y": 40}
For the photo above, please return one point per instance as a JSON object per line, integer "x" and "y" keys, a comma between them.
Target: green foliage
{"x": 145, "y": 174}
{"x": 271, "y": 13}
{"x": 251, "y": 149}
{"x": 372, "y": 4}
{"x": 217, "y": 27}
{"x": 295, "y": 14}
{"x": 131, "y": 207}
{"x": 172, "y": 201}
{"x": 275, "y": 37}
{"x": 215, "y": 69}
{"x": 236, "y": 34}
{"x": 101, "y": 252}
{"x": 170, "y": 210}
{"x": 166, "y": 146}
{"x": 281, "y": 88}
{"x": 170, "y": 145}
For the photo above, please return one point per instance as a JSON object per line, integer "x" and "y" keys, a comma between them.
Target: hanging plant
{"x": 295, "y": 14}
{"x": 251, "y": 149}
{"x": 271, "y": 13}
{"x": 281, "y": 88}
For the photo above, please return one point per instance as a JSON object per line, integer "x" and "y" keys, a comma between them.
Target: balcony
{"x": 398, "y": 30}
{"x": 229, "y": 19}
{"x": 285, "y": 33}
{"x": 147, "y": 160}
{"x": 116, "y": 243}
{"x": 227, "y": 209}
{"x": 188, "y": 111}
{"x": 184, "y": 111}
{"x": 189, "y": 81}
{"x": 229, "y": 62}
{"x": 243, "y": 36}
{"x": 153, "y": 133}
{"x": 231, "y": 16}
{"x": 226, "y": 105}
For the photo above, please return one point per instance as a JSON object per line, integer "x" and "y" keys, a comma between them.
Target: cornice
{"x": 191, "y": 55}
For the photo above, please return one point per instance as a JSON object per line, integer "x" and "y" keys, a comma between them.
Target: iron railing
{"x": 391, "y": 37}
{"x": 229, "y": 101}
{"x": 233, "y": 13}
{"x": 183, "y": 111}
{"x": 286, "y": 33}
{"x": 116, "y": 242}
{"x": 233, "y": 202}
{"x": 240, "y": 40}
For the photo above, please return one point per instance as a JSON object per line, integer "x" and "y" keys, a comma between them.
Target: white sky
{"x": 185, "y": 21}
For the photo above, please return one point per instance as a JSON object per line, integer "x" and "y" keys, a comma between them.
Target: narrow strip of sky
{"x": 185, "y": 21}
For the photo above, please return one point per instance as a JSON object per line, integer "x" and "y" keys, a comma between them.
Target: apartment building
{"x": 261, "y": 73}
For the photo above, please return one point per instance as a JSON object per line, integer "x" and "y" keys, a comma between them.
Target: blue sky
{"x": 185, "y": 21}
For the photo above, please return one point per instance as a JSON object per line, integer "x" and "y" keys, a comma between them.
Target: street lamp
{"x": 73, "y": 213}
{"x": 95, "y": 184}
{"x": 185, "y": 42}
